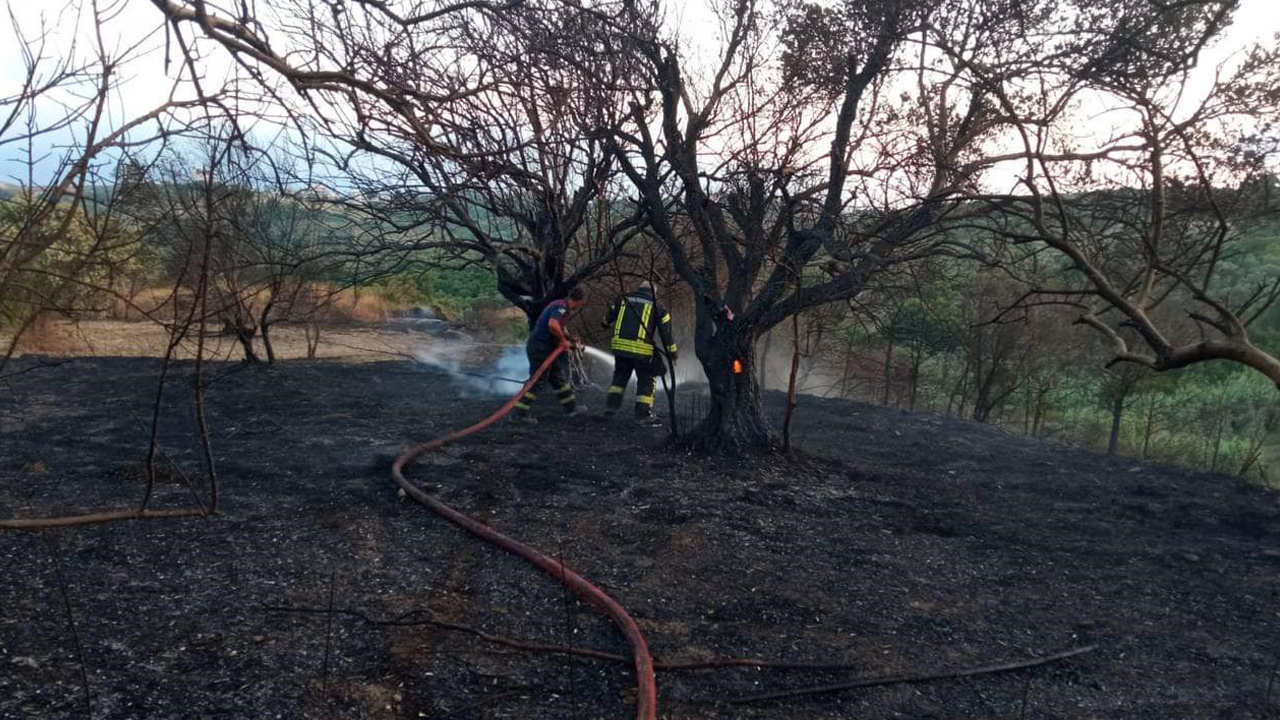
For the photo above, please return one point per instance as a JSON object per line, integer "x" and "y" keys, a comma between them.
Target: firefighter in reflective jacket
{"x": 548, "y": 333}
{"x": 638, "y": 321}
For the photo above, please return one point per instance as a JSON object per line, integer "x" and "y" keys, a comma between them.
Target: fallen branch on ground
{"x": 98, "y": 517}
{"x": 902, "y": 679}
{"x": 413, "y": 618}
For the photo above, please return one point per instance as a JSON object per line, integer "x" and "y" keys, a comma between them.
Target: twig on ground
{"x": 71, "y": 622}
{"x": 328, "y": 638}
{"x": 568, "y": 633}
{"x": 98, "y": 517}
{"x": 412, "y": 619}
{"x": 903, "y": 679}
{"x": 489, "y": 699}
{"x": 406, "y": 621}
{"x": 178, "y": 469}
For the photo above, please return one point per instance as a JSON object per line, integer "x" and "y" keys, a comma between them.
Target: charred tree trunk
{"x": 312, "y": 333}
{"x": 245, "y": 336}
{"x": 888, "y": 373}
{"x": 1117, "y": 414}
{"x": 734, "y": 423}
{"x": 531, "y": 302}
{"x": 982, "y": 404}
{"x": 1150, "y": 427}
{"x": 266, "y": 342}
{"x": 236, "y": 326}
{"x": 1217, "y": 440}
{"x": 264, "y": 326}
{"x": 1026, "y": 412}
{"x": 532, "y": 283}
{"x": 914, "y": 379}
{"x": 844, "y": 376}
{"x": 960, "y": 391}
{"x": 764, "y": 361}
{"x": 791, "y": 382}
{"x": 1037, "y": 422}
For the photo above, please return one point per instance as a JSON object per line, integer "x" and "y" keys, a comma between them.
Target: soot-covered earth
{"x": 898, "y": 545}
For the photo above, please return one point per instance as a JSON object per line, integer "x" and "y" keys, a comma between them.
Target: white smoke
{"x": 478, "y": 369}
{"x": 488, "y": 370}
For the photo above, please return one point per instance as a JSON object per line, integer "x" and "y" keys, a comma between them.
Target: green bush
{"x": 455, "y": 293}
{"x": 398, "y": 291}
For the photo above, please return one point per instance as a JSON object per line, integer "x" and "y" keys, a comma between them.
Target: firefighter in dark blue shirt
{"x": 548, "y": 333}
{"x": 639, "y": 322}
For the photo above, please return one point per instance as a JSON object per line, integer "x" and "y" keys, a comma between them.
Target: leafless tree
{"x": 801, "y": 183}
{"x": 1146, "y": 224}
{"x": 65, "y": 239}
{"x": 277, "y": 250}
{"x": 62, "y": 224}
{"x": 471, "y": 135}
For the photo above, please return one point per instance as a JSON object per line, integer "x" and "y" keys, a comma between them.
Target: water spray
{"x": 598, "y": 354}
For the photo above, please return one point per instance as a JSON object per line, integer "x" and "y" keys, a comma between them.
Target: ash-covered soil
{"x": 900, "y": 544}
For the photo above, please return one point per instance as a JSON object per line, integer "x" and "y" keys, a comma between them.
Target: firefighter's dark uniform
{"x": 541, "y": 344}
{"x": 634, "y": 319}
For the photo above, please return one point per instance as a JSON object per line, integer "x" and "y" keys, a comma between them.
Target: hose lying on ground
{"x": 647, "y": 693}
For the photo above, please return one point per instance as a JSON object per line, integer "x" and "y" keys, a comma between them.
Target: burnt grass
{"x": 898, "y": 544}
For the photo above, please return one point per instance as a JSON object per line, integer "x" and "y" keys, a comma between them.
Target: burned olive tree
{"x": 468, "y": 131}
{"x": 777, "y": 187}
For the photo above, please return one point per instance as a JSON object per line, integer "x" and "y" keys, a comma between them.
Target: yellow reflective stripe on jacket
{"x": 634, "y": 347}
{"x": 644, "y": 320}
{"x": 622, "y": 314}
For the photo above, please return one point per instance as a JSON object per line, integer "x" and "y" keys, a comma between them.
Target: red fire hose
{"x": 647, "y": 691}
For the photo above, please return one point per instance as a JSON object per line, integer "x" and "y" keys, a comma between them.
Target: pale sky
{"x": 132, "y": 23}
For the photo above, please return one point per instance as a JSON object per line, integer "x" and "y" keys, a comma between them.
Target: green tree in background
{"x": 924, "y": 330}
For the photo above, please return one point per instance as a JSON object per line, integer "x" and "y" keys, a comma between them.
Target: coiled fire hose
{"x": 646, "y": 687}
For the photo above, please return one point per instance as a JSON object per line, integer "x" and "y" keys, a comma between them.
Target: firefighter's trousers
{"x": 557, "y": 375}
{"x": 646, "y": 369}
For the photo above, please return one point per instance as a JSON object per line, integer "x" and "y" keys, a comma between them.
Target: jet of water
{"x": 598, "y": 354}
